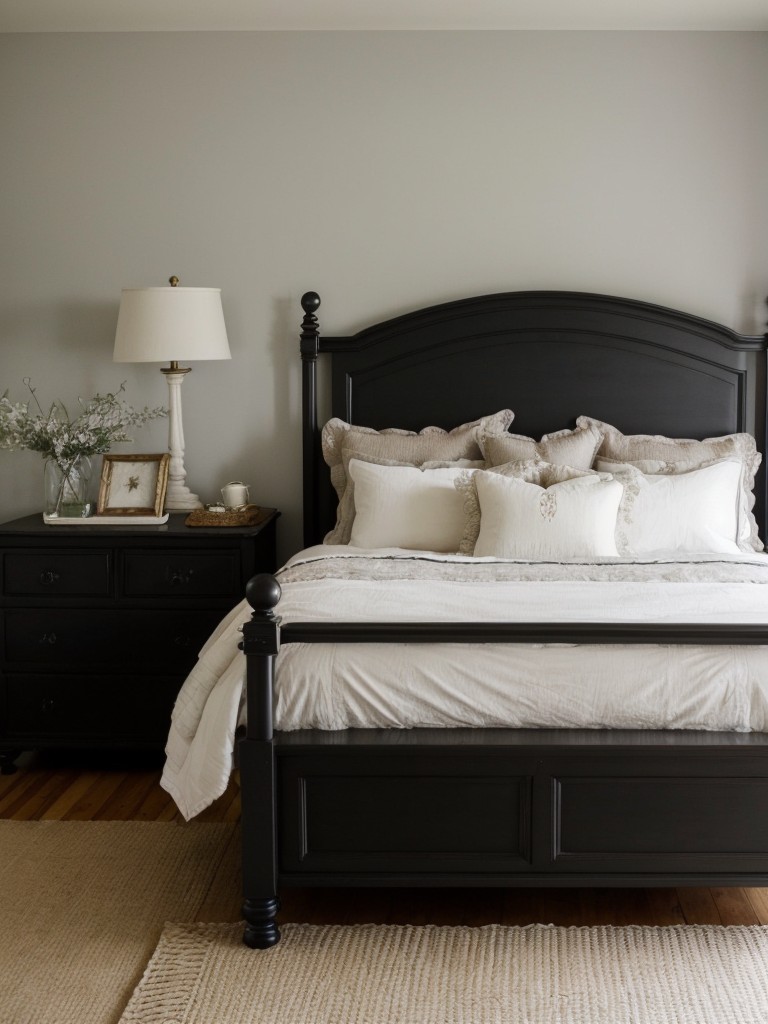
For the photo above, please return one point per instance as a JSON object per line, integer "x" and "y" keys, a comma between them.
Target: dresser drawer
{"x": 124, "y": 639}
{"x": 111, "y": 707}
{"x": 182, "y": 574}
{"x": 56, "y": 573}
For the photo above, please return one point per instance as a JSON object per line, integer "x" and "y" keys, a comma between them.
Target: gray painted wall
{"x": 385, "y": 170}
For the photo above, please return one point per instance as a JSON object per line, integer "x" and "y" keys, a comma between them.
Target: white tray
{"x": 105, "y": 520}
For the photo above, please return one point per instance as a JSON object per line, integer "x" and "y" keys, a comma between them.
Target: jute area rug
{"x": 391, "y": 974}
{"x": 83, "y": 904}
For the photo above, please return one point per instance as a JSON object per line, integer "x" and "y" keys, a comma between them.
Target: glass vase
{"x": 67, "y": 488}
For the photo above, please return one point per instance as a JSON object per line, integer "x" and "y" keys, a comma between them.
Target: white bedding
{"x": 527, "y": 686}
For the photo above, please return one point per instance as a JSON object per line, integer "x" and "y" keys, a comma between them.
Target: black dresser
{"x": 99, "y": 625}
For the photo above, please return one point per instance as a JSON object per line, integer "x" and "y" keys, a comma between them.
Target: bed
{"x": 632, "y": 789}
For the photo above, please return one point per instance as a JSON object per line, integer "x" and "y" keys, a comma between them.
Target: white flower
{"x": 102, "y": 421}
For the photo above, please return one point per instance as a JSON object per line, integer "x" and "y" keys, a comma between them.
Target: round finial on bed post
{"x": 310, "y": 302}
{"x": 262, "y": 593}
{"x": 310, "y": 332}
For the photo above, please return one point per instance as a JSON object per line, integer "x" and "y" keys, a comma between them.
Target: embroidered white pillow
{"x": 530, "y": 471}
{"x": 406, "y": 507}
{"x": 573, "y": 519}
{"x": 695, "y": 512}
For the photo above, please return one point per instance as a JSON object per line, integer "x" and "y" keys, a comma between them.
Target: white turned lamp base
{"x": 181, "y": 499}
{"x": 178, "y": 496}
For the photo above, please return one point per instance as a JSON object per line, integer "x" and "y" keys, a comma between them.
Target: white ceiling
{"x": 242, "y": 15}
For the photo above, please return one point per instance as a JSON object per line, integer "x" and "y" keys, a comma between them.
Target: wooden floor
{"x": 101, "y": 788}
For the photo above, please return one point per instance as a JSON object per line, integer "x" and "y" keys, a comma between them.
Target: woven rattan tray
{"x": 251, "y": 515}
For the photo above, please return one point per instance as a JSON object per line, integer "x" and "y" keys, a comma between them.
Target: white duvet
{"x": 341, "y": 686}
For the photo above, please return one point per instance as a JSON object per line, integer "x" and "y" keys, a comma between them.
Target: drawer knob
{"x": 48, "y": 577}
{"x": 47, "y": 705}
{"x": 180, "y": 577}
{"x": 47, "y": 638}
{"x": 182, "y": 641}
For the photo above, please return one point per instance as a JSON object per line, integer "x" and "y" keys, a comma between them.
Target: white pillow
{"x": 345, "y": 512}
{"x": 393, "y": 445}
{"x": 573, "y": 519}
{"x": 746, "y": 536}
{"x": 695, "y": 512}
{"x": 406, "y": 507}
{"x": 675, "y": 455}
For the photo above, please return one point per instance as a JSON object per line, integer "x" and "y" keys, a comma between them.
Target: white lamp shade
{"x": 157, "y": 325}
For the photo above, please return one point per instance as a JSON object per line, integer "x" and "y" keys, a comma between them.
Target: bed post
{"x": 310, "y": 342}
{"x": 261, "y": 642}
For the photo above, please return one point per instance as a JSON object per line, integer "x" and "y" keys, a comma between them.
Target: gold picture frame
{"x": 133, "y": 485}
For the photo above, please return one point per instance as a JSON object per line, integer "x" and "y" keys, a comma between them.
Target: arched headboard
{"x": 550, "y": 356}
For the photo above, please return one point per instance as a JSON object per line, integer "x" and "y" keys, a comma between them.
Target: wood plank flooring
{"x": 82, "y": 787}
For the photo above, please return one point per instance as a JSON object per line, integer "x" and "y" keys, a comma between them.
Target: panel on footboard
{"x": 393, "y": 815}
{"x": 664, "y": 823}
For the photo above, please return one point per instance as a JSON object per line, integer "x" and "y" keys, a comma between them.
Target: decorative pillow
{"x": 576, "y": 448}
{"x": 345, "y": 512}
{"x": 746, "y": 524}
{"x": 673, "y": 455}
{"x": 572, "y": 519}
{"x": 398, "y": 447}
{"x": 692, "y": 512}
{"x": 531, "y": 471}
{"x": 406, "y": 507}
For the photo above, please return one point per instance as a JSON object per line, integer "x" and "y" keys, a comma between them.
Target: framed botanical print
{"x": 133, "y": 485}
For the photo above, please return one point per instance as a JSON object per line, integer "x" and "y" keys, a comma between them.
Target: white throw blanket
{"x": 327, "y": 686}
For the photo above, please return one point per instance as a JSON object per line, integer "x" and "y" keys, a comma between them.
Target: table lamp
{"x": 159, "y": 324}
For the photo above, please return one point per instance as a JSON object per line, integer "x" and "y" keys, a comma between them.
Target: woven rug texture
{"x": 83, "y": 904}
{"x": 403, "y": 974}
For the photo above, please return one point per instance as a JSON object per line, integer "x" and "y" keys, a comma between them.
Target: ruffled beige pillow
{"x": 575, "y": 448}
{"x": 432, "y": 447}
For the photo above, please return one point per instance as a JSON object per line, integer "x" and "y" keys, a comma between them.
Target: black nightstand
{"x": 99, "y": 625}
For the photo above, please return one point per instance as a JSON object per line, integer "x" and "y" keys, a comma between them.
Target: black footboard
{"x": 490, "y": 807}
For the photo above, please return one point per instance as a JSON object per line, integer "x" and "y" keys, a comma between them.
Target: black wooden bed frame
{"x": 506, "y": 807}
